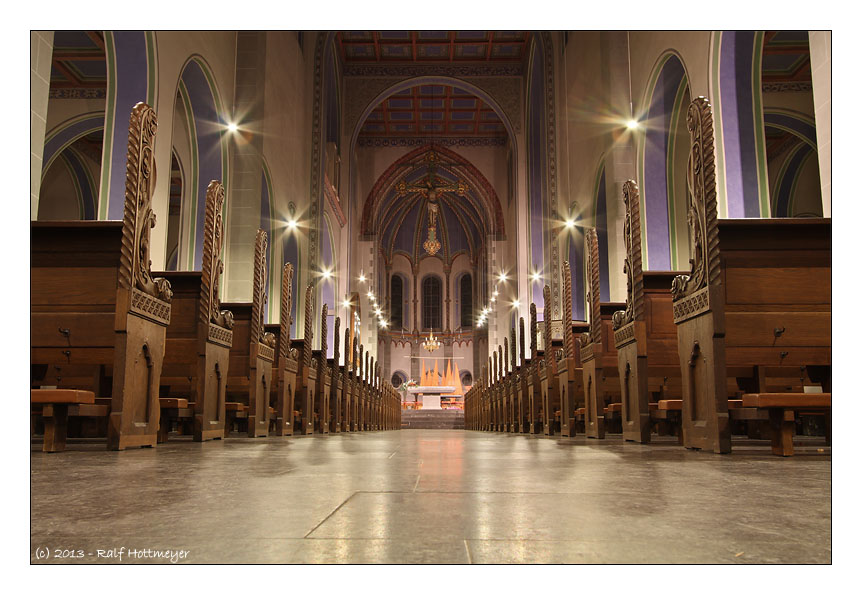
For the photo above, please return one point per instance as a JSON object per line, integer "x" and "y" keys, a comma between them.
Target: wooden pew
{"x": 197, "y": 348}
{"x": 534, "y": 383}
{"x": 324, "y": 379}
{"x": 252, "y": 352}
{"x": 95, "y": 309}
{"x": 644, "y": 333}
{"x": 306, "y": 374}
{"x": 758, "y": 295}
{"x": 337, "y": 383}
{"x": 522, "y": 423}
{"x": 549, "y": 372}
{"x": 598, "y": 353}
{"x": 569, "y": 369}
{"x": 285, "y": 365}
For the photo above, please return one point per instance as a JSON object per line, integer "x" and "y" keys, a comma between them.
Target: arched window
{"x": 396, "y": 301}
{"x": 467, "y": 301}
{"x": 397, "y": 379}
{"x": 431, "y": 307}
{"x": 466, "y": 378}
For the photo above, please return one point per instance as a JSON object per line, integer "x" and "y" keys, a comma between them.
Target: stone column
{"x": 41, "y": 51}
{"x": 448, "y": 327}
{"x": 245, "y": 181}
{"x": 620, "y": 162}
{"x": 820, "y": 47}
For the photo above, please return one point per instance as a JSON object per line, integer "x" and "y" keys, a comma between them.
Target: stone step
{"x": 432, "y": 419}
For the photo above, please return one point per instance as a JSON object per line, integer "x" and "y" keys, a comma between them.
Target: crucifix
{"x": 431, "y": 189}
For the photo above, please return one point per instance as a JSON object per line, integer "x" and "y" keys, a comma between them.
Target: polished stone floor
{"x": 432, "y": 496}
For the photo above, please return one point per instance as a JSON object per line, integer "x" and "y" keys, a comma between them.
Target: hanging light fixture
{"x": 431, "y": 344}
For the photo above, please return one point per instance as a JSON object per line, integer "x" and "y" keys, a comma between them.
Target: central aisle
{"x": 434, "y": 496}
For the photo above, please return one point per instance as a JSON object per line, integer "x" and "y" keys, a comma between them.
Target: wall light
{"x": 232, "y": 127}
{"x": 633, "y": 125}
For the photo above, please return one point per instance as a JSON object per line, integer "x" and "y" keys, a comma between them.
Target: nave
{"x": 435, "y": 496}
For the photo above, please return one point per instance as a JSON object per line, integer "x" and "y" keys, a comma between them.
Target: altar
{"x": 430, "y": 395}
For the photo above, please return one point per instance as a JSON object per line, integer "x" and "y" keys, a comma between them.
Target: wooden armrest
{"x": 670, "y": 405}
{"x": 788, "y": 400}
{"x": 82, "y": 410}
{"x": 734, "y": 403}
{"x": 616, "y": 407}
{"x": 62, "y": 396}
{"x": 174, "y": 403}
{"x": 232, "y": 406}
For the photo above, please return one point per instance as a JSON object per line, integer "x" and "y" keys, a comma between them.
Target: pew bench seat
{"x": 233, "y": 411}
{"x": 57, "y": 405}
{"x": 779, "y": 405}
{"x": 173, "y": 409}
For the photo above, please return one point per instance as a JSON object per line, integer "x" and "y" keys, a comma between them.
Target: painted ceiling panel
{"x": 433, "y": 46}
{"x": 434, "y": 103}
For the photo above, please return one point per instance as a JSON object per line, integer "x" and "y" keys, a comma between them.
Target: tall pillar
{"x": 41, "y": 51}
{"x": 448, "y": 327}
{"x": 820, "y": 47}
{"x": 245, "y": 179}
{"x": 620, "y": 163}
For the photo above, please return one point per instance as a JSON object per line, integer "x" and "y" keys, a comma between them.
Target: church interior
{"x": 430, "y": 297}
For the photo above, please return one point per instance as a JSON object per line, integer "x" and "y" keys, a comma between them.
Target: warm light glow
{"x": 291, "y": 224}
{"x": 516, "y": 304}
{"x": 371, "y": 294}
{"x": 346, "y": 303}
{"x": 378, "y": 311}
{"x": 327, "y": 274}
{"x": 493, "y": 299}
{"x": 384, "y": 324}
{"x": 632, "y": 125}
{"x": 536, "y": 277}
{"x": 570, "y": 223}
{"x": 484, "y": 310}
{"x": 496, "y": 293}
{"x": 362, "y": 278}
{"x": 502, "y": 277}
{"x": 232, "y": 127}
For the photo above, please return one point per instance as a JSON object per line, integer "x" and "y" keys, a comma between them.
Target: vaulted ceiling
{"x": 397, "y": 210}
{"x": 78, "y": 62}
{"x": 786, "y": 57}
{"x": 433, "y": 110}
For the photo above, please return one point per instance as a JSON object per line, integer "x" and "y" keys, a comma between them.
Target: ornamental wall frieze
{"x": 789, "y": 87}
{"x": 499, "y": 141}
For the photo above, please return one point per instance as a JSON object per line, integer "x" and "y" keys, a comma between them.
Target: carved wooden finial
{"x": 632, "y": 266}
{"x": 211, "y": 265}
{"x": 514, "y": 349}
{"x": 568, "y": 337}
{"x": 336, "y": 349}
{"x": 308, "y": 332}
{"x": 546, "y": 294}
{"x": 534, "y": 330}
{"x": 258, "y": 301}
{"x": 506, "y": 356}
{"x": 594, "y": 294}
{"x": 521, "y": 342}
{"x": 702, "y": 203}
{"x": 285, "y": 317}
{"x": 347, "y": 354}
{"x": 138, "y": 215}
{"x": 324, "y": 314}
